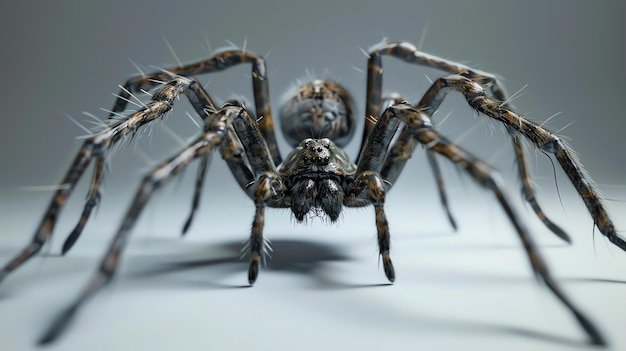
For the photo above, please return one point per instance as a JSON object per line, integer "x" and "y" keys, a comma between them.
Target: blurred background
{"x": 471, "y": 289}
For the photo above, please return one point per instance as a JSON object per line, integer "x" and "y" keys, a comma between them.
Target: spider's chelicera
{"x": 317, "y": 176}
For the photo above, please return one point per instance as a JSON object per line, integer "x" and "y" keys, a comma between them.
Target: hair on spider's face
{"x": 318, "y": 109}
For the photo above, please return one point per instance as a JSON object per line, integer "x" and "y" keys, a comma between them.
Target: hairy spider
{"x": 317, "y": 176}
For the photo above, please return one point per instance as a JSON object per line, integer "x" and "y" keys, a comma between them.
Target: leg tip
{"x": 595, "y": 336}
{"x": 614, "y": 238}
{"x": 388, "y": 267}
{"x": 58, "y": 326}
{"x": 453, "y": 223}
{"x": 599, "y": 342}
{"x": 186, "y": 226}
{"x": 70, "y": 241}
{"x": 560, "y": 233}
{"x": 253, "y": 271}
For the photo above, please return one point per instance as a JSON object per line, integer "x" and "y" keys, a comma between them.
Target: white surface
{"x": 323, "y": 289}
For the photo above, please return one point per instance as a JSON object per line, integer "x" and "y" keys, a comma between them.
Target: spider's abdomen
{"x": 315, "y": 173}
{"x": 318, "y": 109}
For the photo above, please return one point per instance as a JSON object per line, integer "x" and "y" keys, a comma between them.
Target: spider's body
{"x": 317, "y": 171}
{"x": 317, "y": 176}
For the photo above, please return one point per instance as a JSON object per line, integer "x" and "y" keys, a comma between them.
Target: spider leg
{"x": 542, "y": 139}
{"x": 151, "y": 182}
{"x": 420, "y": 125}
{"x": 95, "y": 146}
{"x": 201, "y": 102}
{"x": 410, "y": 54}
{"x": 268, "y": 187}
{"x": 93, "y": 197}
{"x": 204, "y": 163}
{"x": 369, "y": 185}
{"x": 234, "y": 154}
{"x": 80, "y": 163}
{"x": 264, "y": 190}
{"x": 231, "y": 149}
{"x": 441, "y": 186}
{"x": 220, "y": 61}
{"x": 398, "y": 155}
{"x": 529, "y": 194}
{"x": 488, "y": 178}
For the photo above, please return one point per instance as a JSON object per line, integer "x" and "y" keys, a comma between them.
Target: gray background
{"x": 67, "y": 57}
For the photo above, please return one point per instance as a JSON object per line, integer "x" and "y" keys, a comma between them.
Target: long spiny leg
{"x": 220, "y": 61}
{"x": 106, "y": 269}
{"x": 399, "y": 154}
{"x": 410, "y": 54}
{"x": 542, "y": 139}
{"x": 80, "y": 163}
{"x": 204, "y": 163}
{"x": 244, "y": 138}
{"x": 268, "y": 188}
{"x": 234, "y": 154}
{"x": 420, "y": 125}
{"x": 200, "y": 147}
{"x": 372, "y": 185}
{"x": 441, "y": 186}
{"x": 94, "y": 191}
{"x": 488, "y": 178}
{"x": 577, "y": 175}
{"x": 93, "y": 197}
{"x": 231, "y": 150}
{"x": 256, "y": 247}
{"x": 96, "y": 146}
{"x": 529, "y": 194}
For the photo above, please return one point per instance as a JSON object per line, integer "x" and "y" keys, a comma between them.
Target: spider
{"x": 317, "y": 177}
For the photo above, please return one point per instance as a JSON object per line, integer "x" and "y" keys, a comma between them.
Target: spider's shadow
{"x": 207, "y": 267}
{"x": 307, "y": 258}
{"x": 310, "y": 259}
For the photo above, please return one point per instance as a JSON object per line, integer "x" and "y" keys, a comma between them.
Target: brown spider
{"x": 317, "y": 176}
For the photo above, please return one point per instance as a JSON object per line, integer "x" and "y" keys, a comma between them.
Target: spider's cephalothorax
{"x": 317, "y": 175}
